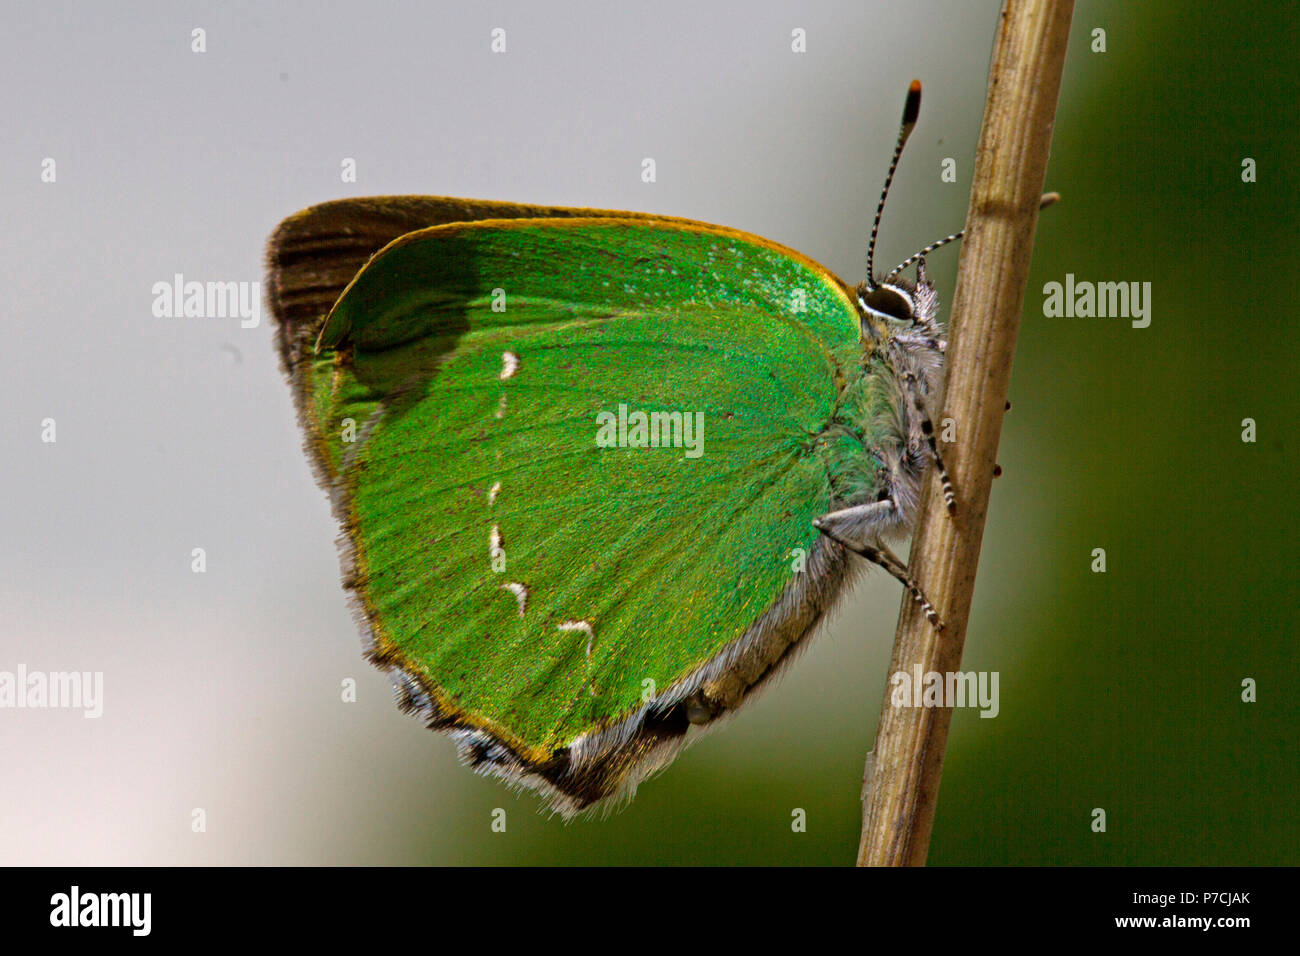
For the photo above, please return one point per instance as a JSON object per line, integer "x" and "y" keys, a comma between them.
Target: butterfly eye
{"x": 890, "y": 301}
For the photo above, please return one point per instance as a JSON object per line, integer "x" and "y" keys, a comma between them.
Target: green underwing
{"x": 600, "y": 473}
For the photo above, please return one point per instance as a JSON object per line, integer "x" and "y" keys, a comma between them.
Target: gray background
{"x": 222, "y": 689}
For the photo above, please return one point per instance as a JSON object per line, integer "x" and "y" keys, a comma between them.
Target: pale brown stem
{"x": 902, "y": 782}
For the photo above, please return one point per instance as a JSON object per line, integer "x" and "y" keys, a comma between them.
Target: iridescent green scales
{"x": 571, "y": 611}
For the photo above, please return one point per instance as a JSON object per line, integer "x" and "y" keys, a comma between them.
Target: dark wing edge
{"x": 601, "y": 771}
{"x": 311, "y": 258}
{"x": 313, "y": 255}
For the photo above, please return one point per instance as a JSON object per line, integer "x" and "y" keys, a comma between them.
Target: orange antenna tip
{"x": 912, "y": 108}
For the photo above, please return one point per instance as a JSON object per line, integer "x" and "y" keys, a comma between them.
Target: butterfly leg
{"x": 874, "y": 550}
{"x": 881, "y": 555}
{"x": 922, "y": 417}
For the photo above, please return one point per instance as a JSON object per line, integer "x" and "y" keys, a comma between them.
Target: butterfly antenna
{"x": 911, "y": 109}
{"x": 937, "y": 244}
{"x": 1043, "y": 203}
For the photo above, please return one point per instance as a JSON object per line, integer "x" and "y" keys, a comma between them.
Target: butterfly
{"x": 600, "y": 474}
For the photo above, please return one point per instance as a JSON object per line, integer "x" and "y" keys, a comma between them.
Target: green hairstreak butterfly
{"x": 600, "y": 473}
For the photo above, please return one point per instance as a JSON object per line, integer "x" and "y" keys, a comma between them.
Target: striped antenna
{"x": 911, "y": 109}
{"x": 1046, "y": 200}
{"x": 937, "y": 244}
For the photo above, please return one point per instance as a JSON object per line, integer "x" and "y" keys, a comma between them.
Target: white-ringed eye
{"x": 889, "y": 301}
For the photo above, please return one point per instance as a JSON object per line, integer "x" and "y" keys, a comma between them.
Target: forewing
{"x": 540, "y": 591}
{"x": 315, "y": 253}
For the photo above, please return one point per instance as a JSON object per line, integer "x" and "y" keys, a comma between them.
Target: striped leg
{"x": 878, "y": 553}
{"x": 913, "y": 390}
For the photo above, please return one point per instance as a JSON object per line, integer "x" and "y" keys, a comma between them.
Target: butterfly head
{"x": 900, "y": 311}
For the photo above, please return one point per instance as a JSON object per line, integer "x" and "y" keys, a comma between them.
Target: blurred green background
{"x": 1119, "y": 690}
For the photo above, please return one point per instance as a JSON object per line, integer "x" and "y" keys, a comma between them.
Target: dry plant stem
{"x": 902, "y": 782}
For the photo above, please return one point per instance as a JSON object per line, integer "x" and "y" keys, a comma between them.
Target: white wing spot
{"x": 520, "y": 591}
{"x": 501, "y": 408}
{"x": 509, "y": 365}
{"x": 584, "y": 627}
{"x": 493, "y": 492}
{"x": 494, "y": 542}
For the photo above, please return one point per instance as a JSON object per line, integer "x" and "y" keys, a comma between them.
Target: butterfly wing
{"x": 314, "y": 254}
{"x": 568, "y": 601}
